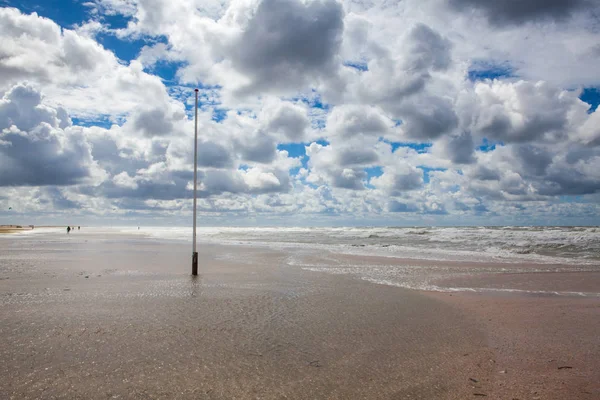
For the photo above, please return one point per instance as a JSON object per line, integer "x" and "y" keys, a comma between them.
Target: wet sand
{"x": 108, "y": 316}
{"x": 544, "y": 347}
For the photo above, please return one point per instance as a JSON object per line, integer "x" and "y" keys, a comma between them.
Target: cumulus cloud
{"x": 357, "y": 156}
{"x": 288, "y": 43}
{"x": 399, "y": 180}
{"x": 525, "y": 111}
{"x": 74, "y": 69}
{"x": 459, "y": 148}
{"x": 287, "y": 119}
{"x": 347, "y": 121}
{"x": 398, "y": 207}
{"x": 394, "y": 75}
{"x": 338, "y": 166}
{"x": 377, "y": 102}
{"x": 39, "y": 148}
{"x": 429, "y": 119}
{"x": 259, "y": 147}
{"x": 502, "y": 12}
{"x": 124, "y": 180}
{"x": 153, "y": 123}
{"x": 37, "y": 48}
{"x": 428, "y": 50}
{"x": 214, "y": 155}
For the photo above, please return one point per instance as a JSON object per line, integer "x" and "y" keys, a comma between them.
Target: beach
{"x": 13, "y": 229}
{"x": 108, "y": 313}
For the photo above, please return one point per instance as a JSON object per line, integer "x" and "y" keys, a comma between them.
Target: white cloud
{"x": 260, "y": 180}
{"x": 73, "y": 69}
{"x": 124, "y": 180}
{"x": 377, "y": 94}
{"x": 38, "y": 145}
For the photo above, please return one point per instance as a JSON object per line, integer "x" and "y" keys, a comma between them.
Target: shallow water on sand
{"x": 110, "y": 315}
{"x": 432, "y": 259}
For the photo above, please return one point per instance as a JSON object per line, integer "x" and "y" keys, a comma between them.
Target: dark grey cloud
{"x": 484, "y": 173}
{"x": 460, "y": 206}
{"x": 213, "y": 155}
{"x": 22, "y": 107}
{"x": 514, "y": 185}
{"x": 154, "y": 122}
{"x": 289, "y": 43}
{"x": 349, "y": 178}
{"x": 459, "y": 148}
{"x": 28, "y": 161}
{"x": 398, "y": 182}
{"x": 114, "y": 160}
{"x": 215, "y": 182}
{"x": 429, "y": 50}
{"x": 354, "y": 156}
{"x": 568, "y": 182}
{"x": 510, "y": 12}
{"x": 560, "y": 178}
{"x": 578, "y": 153}
{"x": 169, "y": 185}
{"x": 480, "y": 208}
{"x": 35, "y": 150}
{"x": 535, "y": 127}
{"x": 477, "y": 209}
{"x": 290, "y": 121}
{"x": 397, "y": 207}
{"x": 534, "y": 160}
{"x": 393, "y": 81}
{"x": 146, "y": 189}
{"x": 59, "y": 200}
{"x": 532, "y": 172}
{"x": 259, "y": 148}
{"x": 435, "y": 210}
{"x": 411, "y": 180}
{"x": 350, "y": 121}
{"x": 429, "y": 120}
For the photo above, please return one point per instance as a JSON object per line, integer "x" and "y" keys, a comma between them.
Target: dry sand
{"x": 90, "y": 316}
{"x": 12, "y": 229}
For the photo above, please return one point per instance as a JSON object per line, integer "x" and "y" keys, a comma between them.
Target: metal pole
{"x": 194, "y": 252}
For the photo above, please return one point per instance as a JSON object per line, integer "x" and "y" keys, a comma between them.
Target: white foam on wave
{"x": 506, "y": 244}
{"x": 436, "y": 288}
{"x": 422, "y": 277}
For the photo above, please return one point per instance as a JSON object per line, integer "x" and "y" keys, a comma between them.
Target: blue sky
{"x": 459, "y": 125}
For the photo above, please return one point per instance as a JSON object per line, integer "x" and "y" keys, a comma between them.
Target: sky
{"x": 311, "y": 112}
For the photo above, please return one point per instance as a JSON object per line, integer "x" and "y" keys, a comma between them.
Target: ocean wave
{"x": 501, "y": 244}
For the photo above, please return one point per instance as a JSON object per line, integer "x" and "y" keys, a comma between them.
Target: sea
{"x": 410, "y": 257}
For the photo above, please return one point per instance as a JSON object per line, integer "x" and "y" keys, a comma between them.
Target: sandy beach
{"x": 13, "y": 229}
{"x": 96, "y": 315}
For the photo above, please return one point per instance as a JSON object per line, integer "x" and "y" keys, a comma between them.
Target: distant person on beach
{"x": 78, "y": 228}
{"x": 68, "y": 229}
